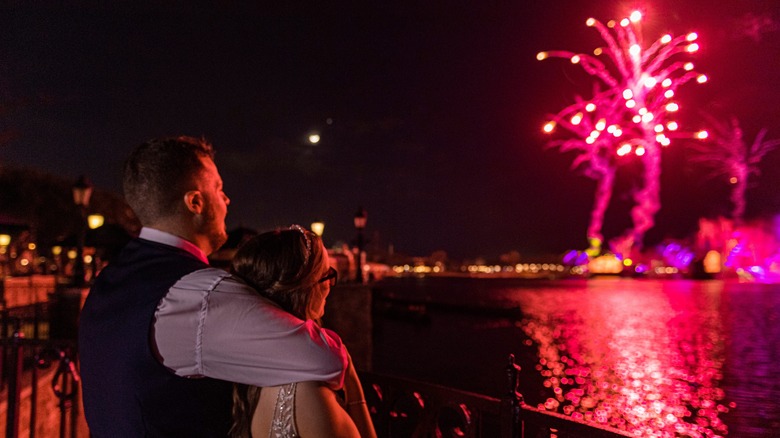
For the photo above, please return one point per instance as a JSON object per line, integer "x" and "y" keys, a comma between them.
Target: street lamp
{"x": 5, "y": 240}
{"x": 95, "y": 221}
{"x": 318, "y": 227}
{"x": 360, "y": 223}
{"x": 82, "y": 191}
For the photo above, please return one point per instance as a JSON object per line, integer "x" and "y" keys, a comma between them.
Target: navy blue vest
{"x": 127, "y": 391}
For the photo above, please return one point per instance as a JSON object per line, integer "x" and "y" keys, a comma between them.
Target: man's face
{"x": 215, "y": 208}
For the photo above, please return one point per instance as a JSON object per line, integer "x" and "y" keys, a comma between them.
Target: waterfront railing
{"x": 403, "y": 408}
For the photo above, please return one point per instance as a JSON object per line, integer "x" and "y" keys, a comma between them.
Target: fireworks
{"x": 630, "y": 113}
{"x": 728, "y": 156}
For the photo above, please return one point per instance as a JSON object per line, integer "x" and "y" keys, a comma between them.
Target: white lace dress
{"x": 283, "y": 422}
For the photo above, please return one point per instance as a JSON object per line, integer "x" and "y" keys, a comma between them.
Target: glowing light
{"x": 701, "y": 135}
{"x": 692, "y": 48}
{"x": 95, "y": 221}
{"x": 595, "y": 134}
{"x": 672, "y": 107}
{"x": 630, "y": 103}
{"x": 624, "y": 149}
{"x": 672, "y": 126}
{"x": 611, "y": 128}
{"x": 628, "y": 94}
{"x": 541, "y": 56}
{"x": 590, "y": 22}
{"x": 5, "y": 239}
{"x": 640, "y": 150}
{"x": 666, "y": 142}
{"x": 549, "y": 127}
{"x": 701, "y": 79}
{"x": 314, "y": 138}
{"x": 575, "y": 59}
{"x": 666, "y": 39}
{"x": 576, "y": 119}
{"x": 635, "y": 16}
{"x": 590, "y": 107}
{"x": 31, "y": 246}
{"x": 590, "y": 140}
{"x": 647, "y": 118}
{"x": 611, "y": 24}
{"x": 637, "y": 118}
{"x": 660, "y": 138}
{"x": 598, "y": 51}
{"x": 72, "y": 254}
{"x": 650, "y": 82}
{"x": 642, "y": 111}
{"x": 56, "y": 250}
{"x": 669, "y": 94}
{"x": 635, "y": 50}
{"x": 618, "y": 132}
{"x": 625, "y": 22}
{"x": 666, "y": 83}
{"x": 688, "y": 66}
{"x": 659, "y": 128}
{"x": 601, "y": 124}
{"x": 692, "y": 36}
{"x": 733, "y": 180}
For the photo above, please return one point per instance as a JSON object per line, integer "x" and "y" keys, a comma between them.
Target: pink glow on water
{"x": 638, "y": 364}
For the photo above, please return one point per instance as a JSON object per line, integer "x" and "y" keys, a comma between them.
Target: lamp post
{"x": 5, "y": 240}
{"x": 360, "y": 223}
{"x": 94, "y": 221}
{"x": 82, "y": 191}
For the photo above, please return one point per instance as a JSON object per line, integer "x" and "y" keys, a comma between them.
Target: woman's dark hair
{"x": 284, "y": 266}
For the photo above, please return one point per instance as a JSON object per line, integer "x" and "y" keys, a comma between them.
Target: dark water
{"x": 658, "y": 358}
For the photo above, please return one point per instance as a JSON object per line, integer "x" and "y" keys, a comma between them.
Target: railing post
{"x": 14, "y": 382}
{"x": 65, "y": 391}
{"x": 511, "y": 423}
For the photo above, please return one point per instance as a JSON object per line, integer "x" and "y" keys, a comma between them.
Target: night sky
{"x": 429, "y": 113}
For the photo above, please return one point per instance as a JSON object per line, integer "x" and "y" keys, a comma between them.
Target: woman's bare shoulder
{"x": 318, "y": 413}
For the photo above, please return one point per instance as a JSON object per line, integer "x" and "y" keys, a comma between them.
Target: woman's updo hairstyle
{"x": 285, "y": 266}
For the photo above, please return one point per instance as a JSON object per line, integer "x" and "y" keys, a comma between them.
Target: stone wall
{"x": 348, "y": 313}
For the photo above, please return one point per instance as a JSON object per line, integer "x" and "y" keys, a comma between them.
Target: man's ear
{"x": 194, "y": 201}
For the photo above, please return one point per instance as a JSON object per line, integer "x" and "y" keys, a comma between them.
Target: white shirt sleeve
{"x": 212, "y": 324}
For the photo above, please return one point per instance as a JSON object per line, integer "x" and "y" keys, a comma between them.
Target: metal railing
{"x": 403, "y": 408}
{"x": 26, "y": 351}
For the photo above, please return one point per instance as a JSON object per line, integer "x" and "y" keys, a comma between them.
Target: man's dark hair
{"x": 159, "y": 172}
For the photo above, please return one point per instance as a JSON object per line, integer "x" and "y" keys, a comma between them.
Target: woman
{"x": 291, "y": 268}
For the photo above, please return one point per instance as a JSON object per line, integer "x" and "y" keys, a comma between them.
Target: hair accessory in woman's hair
{"x": 306, "y": 239}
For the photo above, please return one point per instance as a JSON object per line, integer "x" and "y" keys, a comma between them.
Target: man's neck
{"x": 166, "y": 238}
{"x": 183, "y": 232}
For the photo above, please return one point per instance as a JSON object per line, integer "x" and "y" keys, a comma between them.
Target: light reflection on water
{"x": 632, "y": 355}
{"x": 658, "y": 358}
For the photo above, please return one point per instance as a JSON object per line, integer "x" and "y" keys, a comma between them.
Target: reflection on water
{"x": 632, "y": 355}
{"x": 657, "y": 358}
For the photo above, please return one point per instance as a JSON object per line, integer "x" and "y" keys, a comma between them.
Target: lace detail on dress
{"x": 283, "y": 422}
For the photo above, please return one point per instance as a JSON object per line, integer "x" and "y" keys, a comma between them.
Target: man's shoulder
{"x": 214, "y": 280}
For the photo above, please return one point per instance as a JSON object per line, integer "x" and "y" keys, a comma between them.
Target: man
{"x": 162, "y": 334}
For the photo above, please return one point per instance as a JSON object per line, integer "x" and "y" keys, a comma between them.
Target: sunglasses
{"x": 332, "y": 276}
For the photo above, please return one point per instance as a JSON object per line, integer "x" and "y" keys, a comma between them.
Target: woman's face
{"x": 322, "y": 289}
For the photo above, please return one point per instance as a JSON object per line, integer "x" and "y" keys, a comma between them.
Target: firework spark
{"x": 631, "y": 113}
